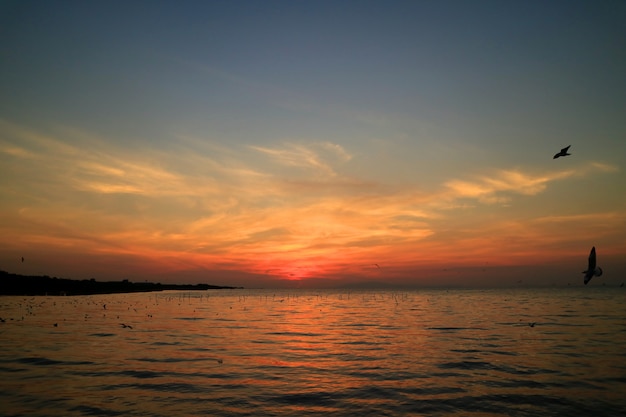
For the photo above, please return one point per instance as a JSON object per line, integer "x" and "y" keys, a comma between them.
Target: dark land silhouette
{"x": 14, "y": 284}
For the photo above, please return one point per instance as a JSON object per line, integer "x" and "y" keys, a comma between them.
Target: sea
{"x": 434, "y": 352}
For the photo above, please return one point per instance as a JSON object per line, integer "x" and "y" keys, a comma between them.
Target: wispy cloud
{"x": 107, "y": 169}
{"x": 317, "y": 157}
{"x": 497, "y": 186}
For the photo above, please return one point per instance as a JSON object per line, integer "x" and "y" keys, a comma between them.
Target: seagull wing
{"x": 592, "y": 260}
{"x": 565, "y": 149}
{"x": 591, "y": 267}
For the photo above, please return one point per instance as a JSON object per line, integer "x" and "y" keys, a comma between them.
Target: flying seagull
{"x": 563, "y": 152}
{"x": 592, "y": 271}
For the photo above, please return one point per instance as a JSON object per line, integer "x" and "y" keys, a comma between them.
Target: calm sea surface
{"x": 265, "y": 353}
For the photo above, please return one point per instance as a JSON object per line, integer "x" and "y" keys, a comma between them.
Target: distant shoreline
{"x": 14, "y": 284}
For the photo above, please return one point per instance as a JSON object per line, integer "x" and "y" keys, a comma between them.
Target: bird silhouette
{"x": 592, "y": 270}
{"x": 563, "y": 152}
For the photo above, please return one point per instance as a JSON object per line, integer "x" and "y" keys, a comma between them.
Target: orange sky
{"x": 295, "y": 213}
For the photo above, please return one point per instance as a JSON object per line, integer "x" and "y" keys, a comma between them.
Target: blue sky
{"x": 297, "y": 141}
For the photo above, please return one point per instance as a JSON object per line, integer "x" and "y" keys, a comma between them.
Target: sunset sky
{"x": 313, "y": 143}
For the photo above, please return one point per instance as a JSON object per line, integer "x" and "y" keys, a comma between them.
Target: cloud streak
{"x": 497, "y": 187}
{"x": 316, "y": 158}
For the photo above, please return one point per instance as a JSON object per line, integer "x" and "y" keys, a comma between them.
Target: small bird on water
{"x": 563, "y": 152}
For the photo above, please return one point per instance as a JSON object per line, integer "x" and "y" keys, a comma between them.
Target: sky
{"x": 313, "y": 143}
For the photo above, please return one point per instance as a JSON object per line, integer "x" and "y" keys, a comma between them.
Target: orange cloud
{"x": 497, "y": 187}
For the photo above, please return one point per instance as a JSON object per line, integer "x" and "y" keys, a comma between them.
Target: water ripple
{"x": 47, "y": 362}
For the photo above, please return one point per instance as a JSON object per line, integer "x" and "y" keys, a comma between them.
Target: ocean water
{"x": 275, "y": 353}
